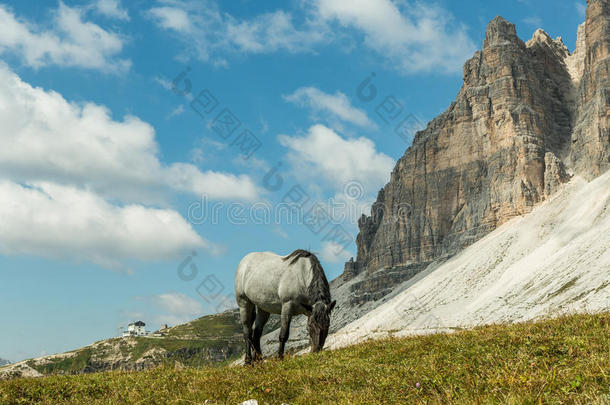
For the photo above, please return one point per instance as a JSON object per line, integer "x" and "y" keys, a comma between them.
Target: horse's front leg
{"x": 246, "y": 315}
{"x": 286, "y": 316}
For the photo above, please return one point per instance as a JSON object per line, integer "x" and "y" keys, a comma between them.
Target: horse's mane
{"x": 318, "y": 289}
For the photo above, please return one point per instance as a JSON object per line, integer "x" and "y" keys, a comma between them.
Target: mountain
{"x": 498, "y": 212}
{"x": 207, "y": 340}
{"x": 4, "y": 362}
{"x": 528, "y": 117}
{"x": 529, "y": 126}
{"x": 550, "y": 262}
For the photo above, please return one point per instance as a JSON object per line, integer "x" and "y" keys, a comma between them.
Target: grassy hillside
{"x": 565, "y": 360}
{"x": 212, "y": 339}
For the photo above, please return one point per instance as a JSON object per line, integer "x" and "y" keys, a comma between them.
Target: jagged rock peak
{"x": 526, "y": 118}
{"x": 576, "y": 61}
{"x": 499, "y": 31}
{"x": 541, "y": 38}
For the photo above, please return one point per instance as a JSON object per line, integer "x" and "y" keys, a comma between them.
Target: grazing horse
{"x": 292, "y": 285}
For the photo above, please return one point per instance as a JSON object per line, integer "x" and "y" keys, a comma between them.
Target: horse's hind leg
{"x": 285, "y": 328}
{"x": 259, "y": 324}
{"x": 246, "y": 316}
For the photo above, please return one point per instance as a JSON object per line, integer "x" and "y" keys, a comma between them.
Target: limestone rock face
{"x": 590, "y": 152}
{"x": 526, "y": 115}
{"x": 554, "y": 174}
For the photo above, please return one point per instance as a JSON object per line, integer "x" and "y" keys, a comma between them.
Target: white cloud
{"x": 581, "y": 9}
{"x": 534, "y": 21}
{"x": 323, "y": 153}
{"x": 179, "y": 308}
{"x": 111, "y": 8}
{"x": 178, "y": 304}
{"x": 209, "y": 33}
{"x": 271, "y": 32}
{"x": 279, "y": 231}
{"x": 336, "y": 104}
{"x": 70, "y": 41}
{"x": 63, "y": 222}
{"x": 179, "y": 110}
{"x": 166, "y": 84}
{"x": 417, "y": 37}
{"x": 333, "y": 252}
{"x": 46, "y": 138}
{"x": 172, "y": 18}
{"x": 348, "y": 208}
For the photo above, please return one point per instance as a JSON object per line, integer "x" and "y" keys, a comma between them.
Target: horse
{"x": 267, "y": 283}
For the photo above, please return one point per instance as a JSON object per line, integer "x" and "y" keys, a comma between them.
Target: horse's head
{"x": 318, "y": 324}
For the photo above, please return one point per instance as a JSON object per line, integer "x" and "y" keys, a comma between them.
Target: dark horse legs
{"x": 249, "y": 314}
{"x": 246, "y": 316}
{"x": 259, "y": 324}
{"x": 285, "y": 328}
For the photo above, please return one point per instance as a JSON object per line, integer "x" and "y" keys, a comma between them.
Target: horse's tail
{"x": 297, "y": 254}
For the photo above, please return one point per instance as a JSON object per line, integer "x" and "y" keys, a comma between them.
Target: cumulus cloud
{"x": 47, "y": 138}
{"x": 172, "y": 18}
{"x": 63, "y": 222}
{"x": 337, "y": 105}
{"x": 338, "y": 161}
{"x": 178, "y": 304}
{"x": 171, "y": 308}
{"x": 271, "y": 32}
{"x": 70, "y": 41}
{"x": 534, "y": 21}
{"x": 77, "y": 184}
{"x": 210, "y": 33}
{"x": 333, "y": 252}
{"x": 581, "y": 9}
{"x": 179, "y": 110}
{"x": 111, "y": 9}
{"x": 417, "y": 37}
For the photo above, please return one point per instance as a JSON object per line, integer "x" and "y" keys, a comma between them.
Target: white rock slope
{"x": 554, "y": 260}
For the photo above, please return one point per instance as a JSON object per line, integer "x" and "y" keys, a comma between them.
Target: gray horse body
{"x": 287, "y": 285}
{"x": 267, "y": 281}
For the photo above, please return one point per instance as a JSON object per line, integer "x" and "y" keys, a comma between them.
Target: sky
{"x": 149, "y": 145}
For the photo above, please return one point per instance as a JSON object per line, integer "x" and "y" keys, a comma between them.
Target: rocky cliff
{"x": 590, "y": 149}
{"x": 528, "y": 116}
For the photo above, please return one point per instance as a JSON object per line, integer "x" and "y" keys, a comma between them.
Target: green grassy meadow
{"x": 559, "y": 361}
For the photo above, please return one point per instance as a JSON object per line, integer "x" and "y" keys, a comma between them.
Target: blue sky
{"x": 111, "y": 180}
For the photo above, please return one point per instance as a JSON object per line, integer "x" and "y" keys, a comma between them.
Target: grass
{"x": 211, "y": 340}
{"x": 225, "y": 324}
{"x": 560, "y": 361}
{"x": 192, "y": 353}
{"x": 69, "y": 365}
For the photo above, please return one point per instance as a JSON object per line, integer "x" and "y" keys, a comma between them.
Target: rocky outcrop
{"x": 554, "y": 174}
{"x": 590, "y": 151}
{"x": 381, "y": 283}
{"x": 526, "y": 116}
{"x": 208, "y": 340}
